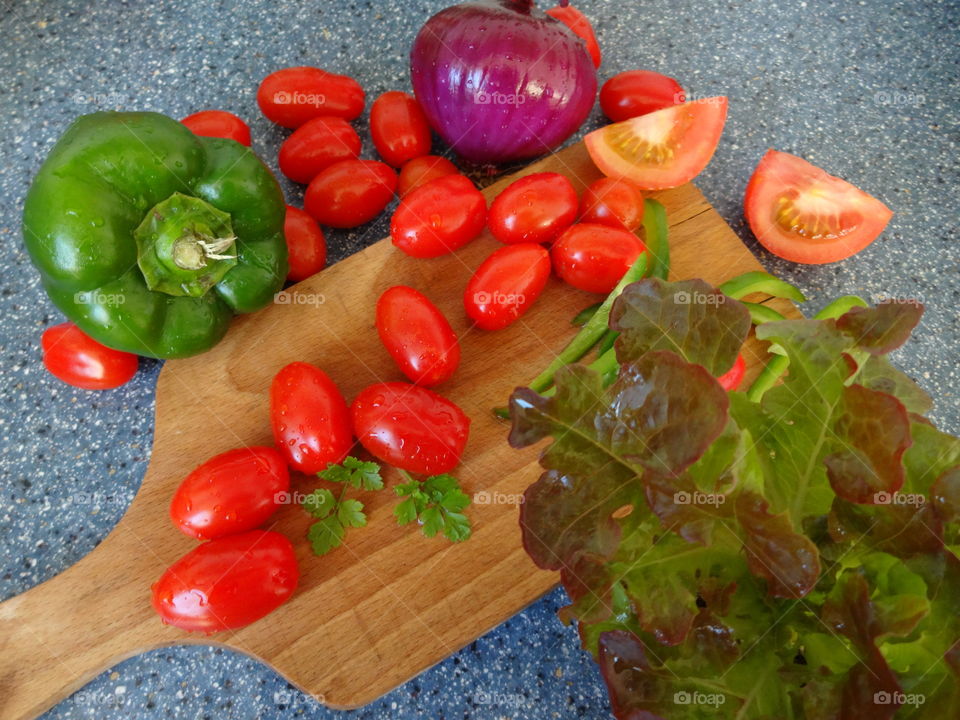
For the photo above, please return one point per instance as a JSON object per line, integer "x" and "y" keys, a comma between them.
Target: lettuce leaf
{"x": 786, "y": 558}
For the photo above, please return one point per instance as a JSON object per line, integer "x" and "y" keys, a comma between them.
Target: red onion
{"x": 500, "y": 80}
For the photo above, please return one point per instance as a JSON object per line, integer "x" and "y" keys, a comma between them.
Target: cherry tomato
{"x": 421, "y": 170}
{"x": 535, "y": 208}
{"x": 218, "y": 124}
{"x": 732, "y": 378}
{"x": 617, "y": 203}
{"x": 638, "y": 92}
{"x": 315, "y": 145}
{"x": 506, "y": 285}
{"x": 417, "y": 336}
{"x": 310, "y": 419}
{"x": 306, "y": 246}
{"x": 227, "y": 583}
{"x": 803, "y": 214}
{"x": 399, "y": 128}
{"x": 594, "y": 257}
{"x": 230, "y": 493}
{"x": 410, "y": 427}
{"x": 663, "y": 149}
{"x": 77, "y": 359}
{"x": 291, "y": 96}
{"x": 350, "y": 193}
{"x": 578, "y": 22}
{"x": 439, "y": 217}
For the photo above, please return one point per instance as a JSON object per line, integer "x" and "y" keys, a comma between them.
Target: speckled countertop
{"x": 868, "y": 90}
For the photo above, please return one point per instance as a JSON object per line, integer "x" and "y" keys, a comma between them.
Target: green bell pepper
{"x": 151, "y": 238}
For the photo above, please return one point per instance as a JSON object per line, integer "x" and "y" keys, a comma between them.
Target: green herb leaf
{"x": 320, "y": 503}
{"x": 325, "y": 535}
{"x": 437, "y": 503}
{"x": 354, "y": 472}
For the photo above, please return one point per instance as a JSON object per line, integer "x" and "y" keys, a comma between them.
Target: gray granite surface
{"x": 867, "y": 90}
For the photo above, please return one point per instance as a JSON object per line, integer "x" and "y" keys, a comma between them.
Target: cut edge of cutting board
{"x": 52, "y": 641}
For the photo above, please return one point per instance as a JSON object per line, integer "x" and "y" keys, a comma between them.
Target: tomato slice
{"x": 805, "y": 215}
{"x": 662, "y": 149}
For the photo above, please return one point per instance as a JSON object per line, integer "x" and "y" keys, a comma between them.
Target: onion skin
{"x": 500, "y": 80}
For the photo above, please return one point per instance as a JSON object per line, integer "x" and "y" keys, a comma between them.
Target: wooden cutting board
{"x": 390, "y": 603}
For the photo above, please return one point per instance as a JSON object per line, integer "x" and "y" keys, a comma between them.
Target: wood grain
{"x": 390, "y": 603}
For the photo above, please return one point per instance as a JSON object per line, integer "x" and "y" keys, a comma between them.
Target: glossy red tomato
{"x": 218, "y": 124}
{"x": 417, "y": 336}
{"x": 310, "y": 418}
{"x": 227, "y": 583}
{"x": 291, "y": 96}
{"x": 803, "y": 214}
{"x": 535, "y": 208}
{"x": 350, "y": 193}
{"x": 663, "y": 149}
{"x": 230, "y": 493}
{"x": 77, "y": 359}
{"x": 578, "y": 22}
{"x": 594, "y": 257}
{"x": 638, "y": 92}
{"x": 306, "y": 245}
{"x": 439, "y": 217}
{"x": 506, "y": 285}
{"x": 399, "y": 128}
{"x": 410, "y": 427}
{"x": 732, "y": 378}
{"x": 419, "y": 171}
{"x": 315, "y": 145}
{"x": 617, "y": 203}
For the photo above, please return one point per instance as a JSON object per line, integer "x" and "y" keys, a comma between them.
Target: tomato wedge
{"x": 662, "y": 149}
{"x": 805, "y": 215}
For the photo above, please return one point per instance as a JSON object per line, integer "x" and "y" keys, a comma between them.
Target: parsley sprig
{"x": 335, "y": 514}
{"x": 437, "y": 503}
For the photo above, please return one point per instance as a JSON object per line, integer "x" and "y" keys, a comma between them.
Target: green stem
{"x": 582, "y": 317}
{"x": 778, "y": 365}
{"x": 592, "y": 331}
{"x": 656, "y": 238}
{"x": 761, "y": 314}
{"x": 759, "y": 281}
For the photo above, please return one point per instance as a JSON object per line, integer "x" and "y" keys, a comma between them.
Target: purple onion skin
{"x": 500, "y": 80}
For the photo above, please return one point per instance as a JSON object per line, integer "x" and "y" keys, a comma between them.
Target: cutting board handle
{"x": 58, "y": 635}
